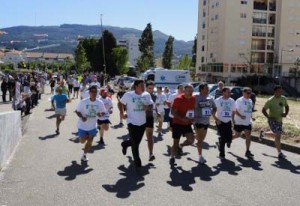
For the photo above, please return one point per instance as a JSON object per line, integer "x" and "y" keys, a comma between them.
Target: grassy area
{"x": 291, "y": 124}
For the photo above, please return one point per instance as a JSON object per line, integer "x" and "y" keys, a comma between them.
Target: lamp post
{"x": 103, "y": 50}
{"x": 281, "y": 63}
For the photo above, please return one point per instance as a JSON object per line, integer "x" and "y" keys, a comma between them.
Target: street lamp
{"x": 281, "y": 63}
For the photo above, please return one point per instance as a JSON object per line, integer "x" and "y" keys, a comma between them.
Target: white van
{"x": 167, "y": 77}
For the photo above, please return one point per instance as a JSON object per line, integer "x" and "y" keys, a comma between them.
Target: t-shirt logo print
{"x": 91, "y": 111}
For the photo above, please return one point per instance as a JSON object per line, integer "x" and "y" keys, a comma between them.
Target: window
{"x": 217, "y": 4}
{"x": 243, "y": 15}
{"x": 211, "y": 55}
{"x": 242, "y": 42}
{"x": 202, "y": 59}
{"x": 203, "y": 25}
{"x": 243, "y": 2}
{"x": 204, "y": 13}
{"x": 242, "y": 29}
{"x": 204, "y": 3}
{"x": 202, "y": 48}
{"x": 216, "y": 17}
{"x": 203, "y": 37}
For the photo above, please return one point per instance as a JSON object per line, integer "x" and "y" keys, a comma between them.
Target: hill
{"x": 63, "y": 38}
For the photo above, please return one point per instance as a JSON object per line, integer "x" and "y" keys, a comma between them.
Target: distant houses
{"x": 14, "y": 57}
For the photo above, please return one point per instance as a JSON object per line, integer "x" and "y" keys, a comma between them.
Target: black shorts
{"x": 76, "y": 89}
{"x": 149, "y": 122}
{"x": 106, "y": 121}
{"x": 171, "y": 122}
{"x": 200, "y": 126}
{"x": 181, "y": 130}
{"x": 240, "y": 128}
{"x": 70, "y": 86}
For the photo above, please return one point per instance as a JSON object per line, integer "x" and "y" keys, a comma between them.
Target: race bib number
{"x": 226, "y": 114}
{"x": 190, "y": 114}
{"x": 206, "y": 112}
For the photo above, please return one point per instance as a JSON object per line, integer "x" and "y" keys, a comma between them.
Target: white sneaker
{"x": 202, "y": 160}
{"x": 84, "y": 158}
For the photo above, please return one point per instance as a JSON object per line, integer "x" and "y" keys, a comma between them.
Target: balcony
{"x": 260, "y": 6}
{"x": 259, "y": 21}
{"x": 258, "y": 47}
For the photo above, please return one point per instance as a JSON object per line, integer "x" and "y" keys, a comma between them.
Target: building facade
{"x": 246, "y": 37}
{"x": 131, "y": 43}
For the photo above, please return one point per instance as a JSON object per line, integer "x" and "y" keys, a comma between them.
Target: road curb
{"x": 270, "y": 142}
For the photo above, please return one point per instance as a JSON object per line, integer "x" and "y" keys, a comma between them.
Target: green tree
{"x": 168, "y": 53}
{"x": 110, "y": 43}
{"x": 146, "y": 44}
{"x": 185, "y": 62}
{"x": 80, "y": 58}
{"x": 194, "y": 52}
{"x": 120, "y": 56}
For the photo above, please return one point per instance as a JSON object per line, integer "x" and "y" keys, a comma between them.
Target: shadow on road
{"x": 287, "y": 165}
{"x": 74, "y": 139}
{"x": 49, "y": 110}
{"x": 205, "y": 146}
{"x": 249, "y": 162}
{"x": 51, "y": 116}
{"x": 75, "y": 169}
{"x": 117, "y": 126}
{"x": 124, "y": 137}
{"x": 184, "y": 179}
{"x": 228, "y": 166}
{"x": 157, "y": 138}
{"x": 50, "y": 136}
{"x": 96, "y": 147}
{"x": 132, "y": 181}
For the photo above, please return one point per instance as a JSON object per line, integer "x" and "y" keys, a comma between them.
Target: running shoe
{"x": 84, "y": 158}
{"x": 249, "y": 154}
{"x": 281, "y": 155}
{"x": 152, "y": 157}
{"x": 202, "y": 160}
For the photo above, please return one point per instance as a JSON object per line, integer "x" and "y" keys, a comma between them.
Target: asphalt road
{"x": 46, "y": 170}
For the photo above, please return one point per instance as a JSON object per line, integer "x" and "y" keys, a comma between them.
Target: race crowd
{"x": 144, "y": 105}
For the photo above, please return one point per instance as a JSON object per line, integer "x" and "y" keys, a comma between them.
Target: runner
{"x": 60, "y": 101}
{"x": 166, "y": 107}
{"x": 160, "y": 107}
{"x": 204, "y": 107}
{"x": 70, "y": 81}
{"x": 119, "y": 97}
{"x": 150, "y": 118}
{"x": 243, "y": 118}
{"x": 225, "y": 111}
{"x": 88, "y": 110}
{"x": 76, "y": 86}
{"x": 219, "y": 90}
{"x": 275, "y": 105}
{"x": 183, "y": 111}
{"x": 103, "y": 122}
{"x": 136, "y": 103}
{"x": 170, "y": 102}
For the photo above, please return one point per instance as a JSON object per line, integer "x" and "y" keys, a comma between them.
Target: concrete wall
{"x": 10, "y": 133}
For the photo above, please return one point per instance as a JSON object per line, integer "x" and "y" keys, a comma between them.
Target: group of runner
{"x": 186, "y": 113}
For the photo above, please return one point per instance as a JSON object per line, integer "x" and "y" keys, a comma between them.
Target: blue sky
{"x": 172, "y": 17}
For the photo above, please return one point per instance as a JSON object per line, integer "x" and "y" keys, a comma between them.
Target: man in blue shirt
{"x": 60, "y": 100}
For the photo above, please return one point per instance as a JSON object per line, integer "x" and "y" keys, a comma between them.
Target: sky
{"x": 172, "y": 17}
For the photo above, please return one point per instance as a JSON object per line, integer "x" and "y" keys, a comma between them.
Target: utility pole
{"x": 103, "y": 50}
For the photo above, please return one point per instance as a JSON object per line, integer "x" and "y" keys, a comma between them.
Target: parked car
{"x": 124, "y": 81}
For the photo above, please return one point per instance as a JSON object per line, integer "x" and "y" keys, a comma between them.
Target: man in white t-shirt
{"x": 243, "y": 118}
{"x": 76, "y": 86}
{"x": 103, "y": 122}
{"x": 160, "y": 103}
{"x": 223, "y": 117}
{"x": 136, "y": 102}
{"x": 88, "y": 110}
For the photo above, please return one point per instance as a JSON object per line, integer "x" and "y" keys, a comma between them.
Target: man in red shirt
{"x": 183, "y": 111}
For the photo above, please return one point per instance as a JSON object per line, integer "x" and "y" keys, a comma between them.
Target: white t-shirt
{"x": 244, "y": 107}
{"x": 108, "y": 106}
{"x": 95, "y": 84}
{"x": 171, "y": 101}
{"x": 89, "y": 110}
{"x": 159, "y": 103}
{"x": 167, "y": 97}
{"x": 76, "y": 83}
{"x": 225, "y": 107}
{"x": 135, "y": 107}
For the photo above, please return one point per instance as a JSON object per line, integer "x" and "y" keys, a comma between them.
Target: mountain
{"x": 63, "y": 38}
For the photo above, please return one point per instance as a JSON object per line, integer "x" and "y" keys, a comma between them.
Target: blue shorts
{"x": 83, "y": 133}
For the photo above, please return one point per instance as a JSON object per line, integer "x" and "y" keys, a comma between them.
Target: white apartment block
{"x": 131, "y": 43}
{"x": 246, "y": 37}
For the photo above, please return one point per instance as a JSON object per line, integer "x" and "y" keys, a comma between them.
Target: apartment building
{"x": 131, "y": 43}
{"x": 246, "y": 37}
